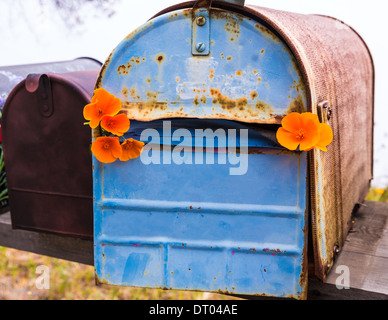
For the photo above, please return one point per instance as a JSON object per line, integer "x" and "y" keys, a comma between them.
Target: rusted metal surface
{"x": 230, "y": 84}
{"x": 326, "y": 51}
{"x": 159, "y": 84}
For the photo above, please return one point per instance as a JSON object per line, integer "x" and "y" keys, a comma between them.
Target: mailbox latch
{"x": 40, "y": 85}
{"x": 324, "y": 112}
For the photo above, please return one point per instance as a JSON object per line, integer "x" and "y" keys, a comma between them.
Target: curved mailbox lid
{"x": 10, "y": 76}
{"x": 250, "y": 74}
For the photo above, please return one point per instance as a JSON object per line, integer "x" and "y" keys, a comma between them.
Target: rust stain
{"x": 272, "y": 250}
{"x": 173, "y": 16}
{"x": 238, "y": 73}
{"x": 103, "y": 70}
{"x": 160, "y": 58}
{"x": 304, "y": 273}
{"x": 132, "y": 35}
{"x": 299, "y": 87}
{"x": 263, "y": 107}
{"x": 100, "y": 281}
{"x": 225, "y": 102}
{"x": 141, "y": 110}
{"x": 297, "y": 105}
{"x": 137, "y": 60}
{"x": 267, "y": 33}
{"x": 134, "y": 94}
{"x": 240, "y": 109}
{"x": 211, "y": 76}
{"x": 254, "y": 95}
{"x": 125, "y": 92}
{"x": 262, "y": 51}
{"x": 229, "y": 58}
{"x": 263, "y": 295}
{"x": 152, "y": 96}
{"x": 187, "y": 13}
{"x": 124, "y": 69}
{"x": 196, "y": 101}
{"x": 232, "y": 22}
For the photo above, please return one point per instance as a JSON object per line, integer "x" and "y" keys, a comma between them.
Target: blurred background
{"x": 33, "y": 31}
{"x": 36, "y": 31}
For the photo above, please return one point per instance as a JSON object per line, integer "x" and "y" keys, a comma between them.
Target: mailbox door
{"x": 182, "y": 218}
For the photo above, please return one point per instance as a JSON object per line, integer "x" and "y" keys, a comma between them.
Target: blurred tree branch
{"x": 72, "y": 11}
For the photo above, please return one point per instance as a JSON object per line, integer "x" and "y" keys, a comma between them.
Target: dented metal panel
{"x": 249, "y": 75}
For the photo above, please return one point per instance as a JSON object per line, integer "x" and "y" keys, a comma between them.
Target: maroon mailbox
{"x": 47, "y": 153}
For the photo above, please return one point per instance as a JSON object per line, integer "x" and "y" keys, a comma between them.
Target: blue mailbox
{"x": 214, "y": 203}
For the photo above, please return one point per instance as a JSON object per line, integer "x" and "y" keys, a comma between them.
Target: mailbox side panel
{"x": 338, "y": 68}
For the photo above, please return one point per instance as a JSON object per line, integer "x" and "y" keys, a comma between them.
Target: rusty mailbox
{"x": 193, "y": 225}
{"x": 47, "y": 153}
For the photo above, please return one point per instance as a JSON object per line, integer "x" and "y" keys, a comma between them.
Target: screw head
{"x": 200, "y": 47}
{"x": 201, "y": 21}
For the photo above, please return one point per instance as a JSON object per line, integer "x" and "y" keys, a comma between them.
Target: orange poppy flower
{"x": 299, "y": 130}
{"x": 131, "y": 149}
{"x": 102, "y": 104}
{"x": 326, "y": 136}
{"x": 117, "y": 125}
{"x": 107, "y": 149}
{"x": 304, "y": 130}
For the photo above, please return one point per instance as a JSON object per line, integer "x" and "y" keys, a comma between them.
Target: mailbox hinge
{"x": 201, "y": 32}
